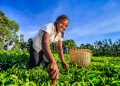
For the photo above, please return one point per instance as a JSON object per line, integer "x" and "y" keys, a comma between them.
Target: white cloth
{"x": 49, "y": 28}
{"x": 9, "y": 47}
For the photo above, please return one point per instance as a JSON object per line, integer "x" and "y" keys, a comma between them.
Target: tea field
{"x": 14, "y": 71}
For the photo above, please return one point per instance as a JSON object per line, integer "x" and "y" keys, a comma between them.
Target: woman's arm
{"x": 46, "y": 47}
{"x": 60, "y": 52}
{"x": 53, "y": 71}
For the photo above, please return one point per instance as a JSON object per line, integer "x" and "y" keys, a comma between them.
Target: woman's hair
{"x": 61, "y": 17}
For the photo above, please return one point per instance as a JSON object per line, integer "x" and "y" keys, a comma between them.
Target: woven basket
{"x": 81, "y": 57}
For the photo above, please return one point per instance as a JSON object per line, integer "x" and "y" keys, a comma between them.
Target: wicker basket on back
{"x": 81, "y": 57}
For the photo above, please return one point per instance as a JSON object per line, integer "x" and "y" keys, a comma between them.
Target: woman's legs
{"x": 35, "y": 58}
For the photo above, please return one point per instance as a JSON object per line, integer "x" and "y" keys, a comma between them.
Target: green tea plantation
{"x": 14, "y": 71}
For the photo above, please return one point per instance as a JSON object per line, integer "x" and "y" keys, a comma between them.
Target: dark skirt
{"x": 36, "y": 58}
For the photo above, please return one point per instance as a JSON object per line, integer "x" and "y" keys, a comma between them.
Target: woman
{"x": 40, "y": 52}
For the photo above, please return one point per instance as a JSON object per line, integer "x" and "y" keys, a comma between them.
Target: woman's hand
{"x": 53, "y": 71}
{"x": 65, "y": 65}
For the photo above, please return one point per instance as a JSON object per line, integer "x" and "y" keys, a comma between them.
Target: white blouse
{"x": 49, "y": 28}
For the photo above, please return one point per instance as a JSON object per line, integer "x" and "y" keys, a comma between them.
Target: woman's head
{"x": 61, "y": 23}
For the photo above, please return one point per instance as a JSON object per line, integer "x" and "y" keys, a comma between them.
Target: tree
{"x": 22, "y": 38}
{"x": 66, "y": 44}
{"x": 69, "y": 44}
{"x": 8, "y": 28}
{"x": 88, "y": 46}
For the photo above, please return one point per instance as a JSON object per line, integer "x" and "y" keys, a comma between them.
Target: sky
{"x": 90, "y": 20}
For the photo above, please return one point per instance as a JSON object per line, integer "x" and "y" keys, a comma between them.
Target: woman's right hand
{"x": 53, "y": 71}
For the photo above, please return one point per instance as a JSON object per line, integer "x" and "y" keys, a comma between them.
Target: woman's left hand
{"x": 65, "y": 65}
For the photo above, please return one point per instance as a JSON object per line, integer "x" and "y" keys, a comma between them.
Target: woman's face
{"x": 61, "y": 25}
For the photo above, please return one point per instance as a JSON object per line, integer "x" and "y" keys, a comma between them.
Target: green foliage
{"x": 104, "y": 48}
{"x": 8, "y": 28}
{"x": 1, "y": 43}
{"x": 54, "y": 47}
{"x": 101, "y": 72}
{"x": 22, "y": 38}
{"x": 66, "y": 44}
{"x": 69, "y": 44}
